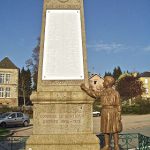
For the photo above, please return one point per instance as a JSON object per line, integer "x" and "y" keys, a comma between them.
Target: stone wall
{"x": 13, "y": 85}
{"x": 146, "y": 84}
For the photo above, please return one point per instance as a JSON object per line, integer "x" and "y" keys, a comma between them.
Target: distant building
{"x": 9, "y": 75}
{"x": 145, "y": 78}
{"x": 96, "y": 81}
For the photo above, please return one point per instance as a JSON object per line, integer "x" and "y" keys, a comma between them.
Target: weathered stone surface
{"x": 61, "y": 97}
{"x": 63, "y": 142}
{"x": 62, "y": 85}
{"x": 62, "y": 119}
{"x": 62, "y": 111}
{"x": 63, "y": 4}
{"x": 12, "y": 101}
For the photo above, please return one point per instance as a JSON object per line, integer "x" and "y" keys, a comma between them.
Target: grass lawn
{"x": 3, "y": 131}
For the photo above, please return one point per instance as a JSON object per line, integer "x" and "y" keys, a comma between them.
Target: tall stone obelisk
{"x": 62, "y": 118}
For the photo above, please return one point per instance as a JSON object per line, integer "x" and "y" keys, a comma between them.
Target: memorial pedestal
{"x": 64, "y": 124}
{"x": 63, "y": 142}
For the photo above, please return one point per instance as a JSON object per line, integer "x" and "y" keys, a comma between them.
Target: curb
{"x": 22, "y": 129}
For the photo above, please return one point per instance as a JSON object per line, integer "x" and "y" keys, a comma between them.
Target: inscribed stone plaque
{"x": 62, "y": 118}
{"x": 63, "y": 55}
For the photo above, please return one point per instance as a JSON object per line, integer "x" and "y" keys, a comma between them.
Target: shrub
{"x": 140, "y": 107}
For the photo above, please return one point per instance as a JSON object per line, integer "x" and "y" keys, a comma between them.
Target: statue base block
{"x": 63, "y": 142}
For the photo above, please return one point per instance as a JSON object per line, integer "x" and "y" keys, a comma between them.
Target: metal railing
{"x": 13, "y": 142}
{"x": 129, "y": 141}
{"x": 144, "y": 142}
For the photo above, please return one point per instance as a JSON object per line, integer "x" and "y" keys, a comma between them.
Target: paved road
{"x": 22, "y": 131}
{"x": 131, "y": 124}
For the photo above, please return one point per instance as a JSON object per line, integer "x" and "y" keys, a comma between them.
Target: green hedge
{"x": 140, "y": 107}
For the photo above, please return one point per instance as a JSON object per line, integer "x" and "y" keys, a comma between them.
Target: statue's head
{"x": 109, "y": 81}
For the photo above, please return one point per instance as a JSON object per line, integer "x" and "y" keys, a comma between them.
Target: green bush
{"x": 140, "y": 107}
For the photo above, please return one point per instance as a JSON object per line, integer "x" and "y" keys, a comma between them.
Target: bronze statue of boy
{"x": 111, "y": 110}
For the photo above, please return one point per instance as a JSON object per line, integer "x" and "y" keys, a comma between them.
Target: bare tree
{"x": 33, "y": 63}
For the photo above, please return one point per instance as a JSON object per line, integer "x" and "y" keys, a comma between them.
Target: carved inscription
{"x": 55, "y": 119}
{"x": 62, "y": 118}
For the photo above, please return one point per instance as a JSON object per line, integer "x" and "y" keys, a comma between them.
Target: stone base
{"x": 63, "y": 142}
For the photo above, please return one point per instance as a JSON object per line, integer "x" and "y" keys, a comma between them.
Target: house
{"x": 96, "y": 81}
{"x": 145, "y": 78}
{"x": 9, "y": 75}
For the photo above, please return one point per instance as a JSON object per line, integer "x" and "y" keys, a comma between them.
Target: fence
{"x": 130, "y": 141}
{"x": 13, "y": 142}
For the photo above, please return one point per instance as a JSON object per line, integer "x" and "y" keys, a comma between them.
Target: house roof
{"x": 95, "y": 75}
{"x": 145, "y": 74}
{"x": 6, "y": 63}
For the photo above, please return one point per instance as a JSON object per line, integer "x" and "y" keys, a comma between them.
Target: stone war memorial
{"x": 62, "y": 118}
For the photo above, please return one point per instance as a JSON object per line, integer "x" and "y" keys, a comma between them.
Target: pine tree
{"x": 28, "y": 83}
{"x": 107, "y": 74}
{"x": 117, "y": 72}
{"x": 33, "y": 63}
{"x": 25, "y": 84}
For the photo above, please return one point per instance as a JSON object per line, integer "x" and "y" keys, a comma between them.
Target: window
{"x": 7, "y": 92}
{"x": 146, "y": 91}
{"x": 12, "y": 116}
{"x": 1, "y": 92}
{"x": 7, "y": 78}
{"x": 19, "y": 115}
{"x": 95, "y": 82}
{"x": 2, "y": 78}
{"x": 146, "y": 81}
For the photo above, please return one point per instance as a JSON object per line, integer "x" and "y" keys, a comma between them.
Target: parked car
{"x": 96, "y": 113}
{"x": 14, "y": 118}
